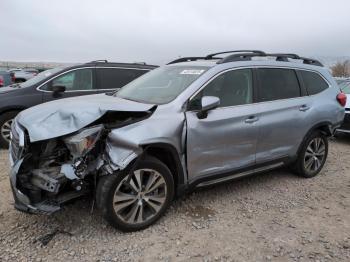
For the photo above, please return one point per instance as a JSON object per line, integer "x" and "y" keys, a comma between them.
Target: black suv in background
{"x": 84, "y": 79}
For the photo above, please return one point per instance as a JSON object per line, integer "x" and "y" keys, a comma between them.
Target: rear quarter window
{"x": 313, "y": 82}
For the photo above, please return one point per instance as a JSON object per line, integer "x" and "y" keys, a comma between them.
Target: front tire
{"x": 5, "y": 128}
{"x": 136, "y": 204}
{"x": 312, "y": 155}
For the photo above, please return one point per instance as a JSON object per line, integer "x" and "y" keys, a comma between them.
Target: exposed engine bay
{"x": 57, "y": 170}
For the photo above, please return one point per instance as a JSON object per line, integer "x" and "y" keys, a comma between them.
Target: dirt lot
{"x": 274, "y": 216}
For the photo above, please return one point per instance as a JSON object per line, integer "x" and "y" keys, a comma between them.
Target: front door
{"x": 226, "y": 139}
{"x": 77, "y": 83}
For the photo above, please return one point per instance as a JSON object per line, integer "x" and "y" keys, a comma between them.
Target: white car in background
{"x": 344, "y": 84}
{"x": 22, "y": 75}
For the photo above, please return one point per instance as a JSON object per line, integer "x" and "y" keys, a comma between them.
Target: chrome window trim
{"x": 85, "y": 67}
{"x": 255, "y": 67}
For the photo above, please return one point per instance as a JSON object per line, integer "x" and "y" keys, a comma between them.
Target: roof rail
{"x": 310, "y": 61}
{"x": 99, "y": 61}
{"x": 185, "y": 59}
{"x": 279, "y": 57}
{"x": 211, "y": 56}
{"x": 284, "y": 57}
{"x": 245, "y": 55}
{"x": 240, "y": 57}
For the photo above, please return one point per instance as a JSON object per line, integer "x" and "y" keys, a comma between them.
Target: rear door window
{"x": 313, "y": 82}
{"x": 115, "y": 78}
{"x": 277, "y": 83}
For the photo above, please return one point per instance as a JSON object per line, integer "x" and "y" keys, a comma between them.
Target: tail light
{"x": 13, "y": 78}
{"x": 341, "y": 97}
{"x": 1, "y": 81}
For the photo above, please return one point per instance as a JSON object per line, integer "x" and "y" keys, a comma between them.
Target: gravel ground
{"x": 274, "y": 216}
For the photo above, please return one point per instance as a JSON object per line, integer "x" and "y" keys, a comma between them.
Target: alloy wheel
{"x": 6, "y": 130}
{"x": 140, "y": 196}
{"x": 314, "y": 155}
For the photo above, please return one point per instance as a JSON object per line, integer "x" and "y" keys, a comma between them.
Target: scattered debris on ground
{"x": 269, "y": 217}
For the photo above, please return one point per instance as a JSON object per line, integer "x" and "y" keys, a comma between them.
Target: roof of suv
{"x": 249, "y": 57}
{"x": 104, "y": 63}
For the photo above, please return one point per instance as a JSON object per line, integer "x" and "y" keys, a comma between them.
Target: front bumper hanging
{"x": 22, "y": 201}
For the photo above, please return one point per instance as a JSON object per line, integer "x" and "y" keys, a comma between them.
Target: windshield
{"x": 344, "y": 86}
{"x": 41, "y": 76}
{"x": 162, "y": 85}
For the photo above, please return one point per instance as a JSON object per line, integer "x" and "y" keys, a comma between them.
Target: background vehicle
{"x": 85, "y": 79}
{"x": 195, "y": 122}
{"x": 344, "y": 84}
{"x": 6, "y": 78}
{"x": 22, "y": 75}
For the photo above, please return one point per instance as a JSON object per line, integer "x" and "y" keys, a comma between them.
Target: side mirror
{"x": 58, "y": 89}
{"x": 208, "y": 103}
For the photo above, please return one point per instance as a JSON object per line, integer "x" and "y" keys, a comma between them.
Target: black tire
{"x": 4, "y": 143}
{"x": 107, "y": 187}
{"x": 299, "y": 165}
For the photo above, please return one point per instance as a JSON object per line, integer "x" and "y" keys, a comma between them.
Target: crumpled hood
{"x": 65, "y": 116}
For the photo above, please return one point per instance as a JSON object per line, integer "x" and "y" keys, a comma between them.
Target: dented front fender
{"x": 125, "y": 144}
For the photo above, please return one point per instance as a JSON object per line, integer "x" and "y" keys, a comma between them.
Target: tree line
{"x": 341, "y": 69}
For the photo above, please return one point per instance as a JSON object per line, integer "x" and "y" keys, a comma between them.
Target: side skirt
{"x": 218, "y": 178}
{"x": 239, "y": 175}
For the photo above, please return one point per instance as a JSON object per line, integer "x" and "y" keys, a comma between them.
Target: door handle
{"x": 304, "y": 108}
{"x": 251, "y": 119}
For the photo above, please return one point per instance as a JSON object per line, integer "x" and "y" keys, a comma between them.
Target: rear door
{"x": 284, "y": 111}
{"x": 113, "y": 78}
{"x": 77, "y": 82}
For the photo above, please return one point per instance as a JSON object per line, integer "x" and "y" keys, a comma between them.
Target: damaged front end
{"x": 45, "y": 174}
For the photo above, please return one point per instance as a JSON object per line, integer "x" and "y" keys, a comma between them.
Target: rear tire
{"x": 5, "y": 127}
{"x": 141, "y": 202}
{"x": 312, "y": 155}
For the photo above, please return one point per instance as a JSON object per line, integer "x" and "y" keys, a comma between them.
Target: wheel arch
{"x": 324, "y": 127}
{"x": 12, "y": 109}
{"x": 170, "y": 157}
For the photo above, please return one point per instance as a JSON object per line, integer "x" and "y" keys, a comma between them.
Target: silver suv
{"x": 194, "y": 122}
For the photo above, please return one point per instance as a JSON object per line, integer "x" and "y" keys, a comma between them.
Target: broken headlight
{"x": 80, "y": 144}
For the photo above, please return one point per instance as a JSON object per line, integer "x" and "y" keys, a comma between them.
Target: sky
{"x": 157, "y": 31}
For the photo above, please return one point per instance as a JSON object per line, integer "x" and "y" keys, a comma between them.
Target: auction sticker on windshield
{"x": 192, "y": 72}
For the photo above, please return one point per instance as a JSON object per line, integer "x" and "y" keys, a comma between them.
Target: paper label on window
{"x": 191, "y": 72}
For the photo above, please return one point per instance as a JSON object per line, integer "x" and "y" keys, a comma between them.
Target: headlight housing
{"x": 80, "y": 144}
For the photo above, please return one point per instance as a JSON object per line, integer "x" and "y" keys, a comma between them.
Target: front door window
{"x": 78, "y": 80}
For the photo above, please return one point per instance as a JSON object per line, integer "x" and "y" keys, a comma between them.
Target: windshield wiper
{"x": 109, "y": 93}
{"x": 113, "y": 93}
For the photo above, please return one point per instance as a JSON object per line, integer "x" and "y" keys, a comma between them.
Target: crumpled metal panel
{"x": 66, "y": 116}
{"x": 222, "y": 141}
{"x": 124, "y": 144}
